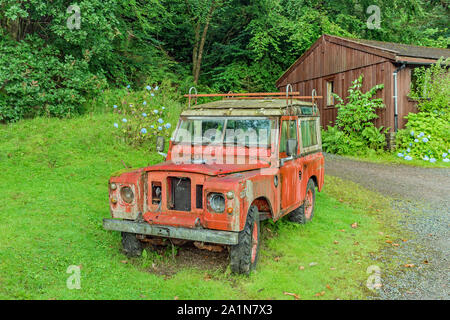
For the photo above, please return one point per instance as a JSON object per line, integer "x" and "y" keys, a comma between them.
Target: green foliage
{"x": 432, "y": 87}
{"x": 426, "y": 137}
{"x": 36, "y": 82}
{"x": 354, "y": 132}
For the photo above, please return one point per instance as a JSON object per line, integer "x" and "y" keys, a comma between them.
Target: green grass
{"x": 54, "y": 197}
{"x": 392, "y": 158}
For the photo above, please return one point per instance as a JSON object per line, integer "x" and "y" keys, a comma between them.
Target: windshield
{"x": 237, "y": 131}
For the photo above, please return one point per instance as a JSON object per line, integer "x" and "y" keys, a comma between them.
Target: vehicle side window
{"x": 288, "y": 131}
{"x": 309, "y": 133}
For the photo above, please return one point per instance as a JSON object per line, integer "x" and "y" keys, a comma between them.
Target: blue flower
{"x": 116, "y": 125}
{"x": 432, "y": 160}
{"x": 148, "y": 88}
{"x": 446, "y": 160}
{"x": 159, "y": 128}
{"x": 144, "y": 114}
{"x": 160, "y": 120}
{"x": 124, "y": 120}
{"x": 400, "y": 154}
{"x": 115, "y": 106}
{"x": 408, "y": 158}
{"x": 408, "y": 150}
{"x": 143, "y": 131}
{"x": 156, "y": 88}
{"x": 444, "y": 155}
{"x": 144, "y": 103}
{"x": 155, "y": 111}
{"x": 165, "y": 108}
{"x": 152, "y": 126}
{"x": 425, "y": 139}
{"x": 167, "y": 125}
{"x": 412, "y": 133}
{"x": 152, "y": 94}
{"x": 421, "y": 135}
{"x": 426, "y": 158}
{"x": 410, "y": 144}
{"x": 128, "y": 86}
{"x": 416, "y": 140}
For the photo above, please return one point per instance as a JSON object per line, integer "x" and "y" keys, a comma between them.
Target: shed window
{"x": 330, "y": 90}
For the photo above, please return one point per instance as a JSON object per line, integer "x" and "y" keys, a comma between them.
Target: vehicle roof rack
{"x": 289, "y": 95}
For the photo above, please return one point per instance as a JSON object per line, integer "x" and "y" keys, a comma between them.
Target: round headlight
{"x": 217, "y": 202}
{"x": 127, "y": 194}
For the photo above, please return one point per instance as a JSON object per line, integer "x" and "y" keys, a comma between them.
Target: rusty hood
{"x": 210, "y": 169}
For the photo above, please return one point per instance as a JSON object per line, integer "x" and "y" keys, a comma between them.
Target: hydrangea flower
{"x": 143, "y": 131}
{"x": 144, "y": 114}
{"x": 408, "y": 158}
{"x": 165, "y": 108}
{"x": 159, "y": 128}
{"x": 400, "y": 154}
{"x": 421, "y": 135}
{"x": 144, "y": 103}
{"x": 408, "y": 150}
{"x": 156, "y": 88}
{"x": 432, "y": 160}
{"x": 115, "y": 106}
{"x": 128, "y": 86}
{"x": 416, "y": 140}
{"x": 155, "y": 111}
{"x": 446, "y": 160}
{"x": 116, "y": 125}
{"x": 426, "y": 158}
{"x": 124, "y": 120}
{"x": 148, "y": 88}
{"x": 167, "y": 125}
{"x": 152, "y": 126}
{"x": 444, "y": 155}
{"x": 410, "y": 144}
{"x": 152, "y": 94}
{"x": 425, "y": 140}
{"x": 160, "y": 120}
{"x": 412, "y": 133}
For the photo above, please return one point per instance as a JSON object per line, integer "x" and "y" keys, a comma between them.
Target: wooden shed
{"x": 332, "y": 63}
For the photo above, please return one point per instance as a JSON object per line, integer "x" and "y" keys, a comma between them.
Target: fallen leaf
{"x": 404, "y": 240}
{"x": 409, "y": 265}
{"x": 356, "y": 243}
{"x": 301, "y": 268}
{"x": 207, "y": 277}
{"x": 340, "y": 200}
{"x": 328, "y": 287}
{"x": 296, "y": 296}
{"x": 342, "y": 230}
{"x": 336, "y": 242}
{"x": 395, "y": 244}
{"x": 124, "y": 261}
{"x": 320, "y": 294}
{"x": 332, "y": 268}
{"x": 380, "y": 233}
{"x": 388, "y": 241}
{"x": 175, "y": 298}
{"x": 388, "y": 236}
{"x": 425, "y": 261}
{"x": 354, "y": 225}
{"x": 277, "y": 259}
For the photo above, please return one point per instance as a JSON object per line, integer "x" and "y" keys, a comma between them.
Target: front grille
{"x": 180, "y": 197}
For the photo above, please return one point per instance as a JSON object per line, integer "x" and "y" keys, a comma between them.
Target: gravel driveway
{"x": 422, "y": 197}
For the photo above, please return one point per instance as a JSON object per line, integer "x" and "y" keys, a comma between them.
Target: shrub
{"x": 34, "y": 81}
{"x": 354, "y": 132}
{"x": 140, "y": 118}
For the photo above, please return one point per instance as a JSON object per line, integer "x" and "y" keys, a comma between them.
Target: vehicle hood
{"x": 210, "y": 169}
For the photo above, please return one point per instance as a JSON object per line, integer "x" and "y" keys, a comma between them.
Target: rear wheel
{"x": 244, "y": 255}
{"x": 305, "y": 212}
{"x": 132, "y": 247}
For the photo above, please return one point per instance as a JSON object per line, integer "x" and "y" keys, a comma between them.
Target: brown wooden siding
{"x": 343, "y": 65}
{"x": 405, "y": 105}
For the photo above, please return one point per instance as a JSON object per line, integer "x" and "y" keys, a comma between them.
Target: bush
{"x": 354, "y": 132}
{"x": 427, "y": 133}
{"x": 34, "y": 81}
{"x": 141, "y": 117}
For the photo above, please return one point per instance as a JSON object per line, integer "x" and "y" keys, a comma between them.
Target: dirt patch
{"x": 186, "y": 256}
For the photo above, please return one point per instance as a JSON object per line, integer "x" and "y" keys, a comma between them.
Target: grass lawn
{"x": 54, "y": 197}
{"x": 392, "y": 158}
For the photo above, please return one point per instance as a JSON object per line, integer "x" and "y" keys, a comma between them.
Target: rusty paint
{"x": 209, "y": 247}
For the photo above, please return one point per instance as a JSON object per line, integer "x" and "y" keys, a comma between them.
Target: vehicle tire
{"x": 305, "y": 212}
{"x": 132, "y": 247}
{"x": 244, "y": 255}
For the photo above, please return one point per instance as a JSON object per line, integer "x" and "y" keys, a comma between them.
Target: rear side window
{"x": 288, "y": 131}
{"x": 309, "y": 133}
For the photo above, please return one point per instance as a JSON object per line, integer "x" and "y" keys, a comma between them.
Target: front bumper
{"x": 204, "y": 235}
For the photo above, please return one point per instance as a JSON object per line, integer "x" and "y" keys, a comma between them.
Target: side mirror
{"x": 291, "y": 147}
{"x": 160, "y": 142}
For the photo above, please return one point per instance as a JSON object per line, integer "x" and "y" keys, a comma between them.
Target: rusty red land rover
{"x": 230, "y": 164}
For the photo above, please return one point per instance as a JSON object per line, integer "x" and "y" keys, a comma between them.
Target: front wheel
{"x": 244, "y": 255}
{"x": 305, "y": 212}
